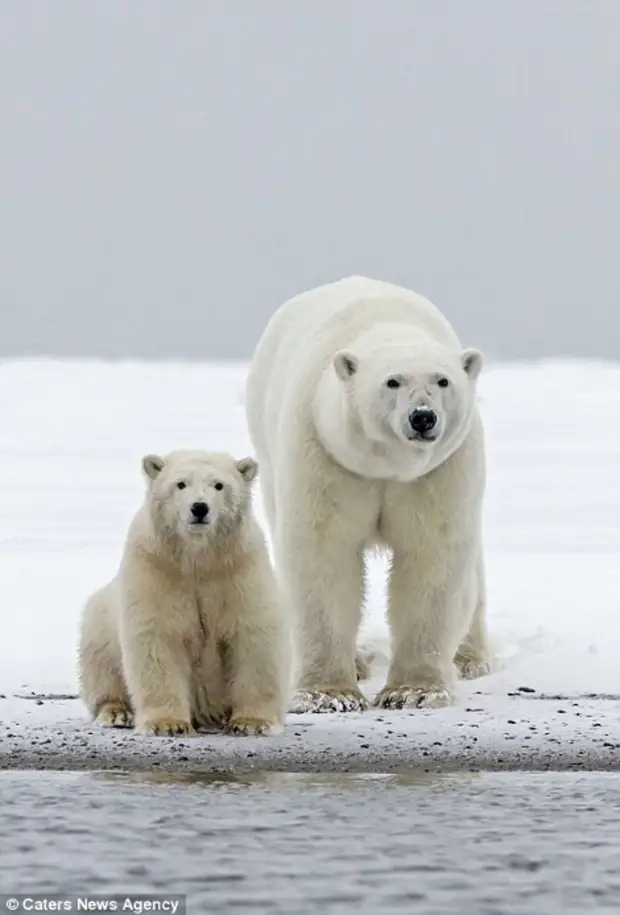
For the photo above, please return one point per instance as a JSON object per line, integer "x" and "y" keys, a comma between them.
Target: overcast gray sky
{"x": 172, "y": 170}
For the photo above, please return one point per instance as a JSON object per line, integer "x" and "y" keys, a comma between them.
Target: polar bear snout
{"x": 199, "y": 512}
{"x": 423, "y": 420}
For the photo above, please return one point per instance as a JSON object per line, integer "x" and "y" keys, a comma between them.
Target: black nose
{"x": 199, "y": 510}
{"x": 423, "y": 420}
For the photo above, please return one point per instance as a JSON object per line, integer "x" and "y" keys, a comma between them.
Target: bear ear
{"x": 152, "y": 465}
{"x": 472, "y": 360}
{"x": 345, "y": 364}
{"x": 248, "y": 468}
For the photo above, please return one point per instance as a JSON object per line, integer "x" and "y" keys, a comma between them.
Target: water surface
{"x": 477, "y": 844}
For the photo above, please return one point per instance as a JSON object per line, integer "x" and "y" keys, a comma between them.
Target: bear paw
{"x": 252, "y": 727}
{"x": 472, "y": 668}
{"x": 427, "y": 696}
{"x": 116, "y": 714}
{"x": 320, "y": 701}
{"x": 165, "y": 726}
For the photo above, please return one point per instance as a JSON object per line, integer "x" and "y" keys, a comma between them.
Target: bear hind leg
{"x": 473, "y": 659}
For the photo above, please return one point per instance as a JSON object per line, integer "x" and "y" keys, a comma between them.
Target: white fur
{"x": 342, "y": 471}
{"x": 191, "y": 630}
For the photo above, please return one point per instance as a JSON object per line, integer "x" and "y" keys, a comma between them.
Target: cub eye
{"x": 443, "y": 382}
{"x": 393, "y": 383}
{"x": 218, "y": 486}
{"x": 181, "y": 484}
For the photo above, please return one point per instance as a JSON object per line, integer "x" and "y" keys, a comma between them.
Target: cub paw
{"x": 165, "y": 726}
{"x": 116, "y": 714}
{"x": 252, "y": 727}
{"x": 319, "y": 701}
{"x": 426, "y": 696}
{"x": 472, "y": 668}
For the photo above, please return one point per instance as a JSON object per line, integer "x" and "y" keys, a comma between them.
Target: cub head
{"x": 197, "y": 494}
{"x": 412, "y": 403}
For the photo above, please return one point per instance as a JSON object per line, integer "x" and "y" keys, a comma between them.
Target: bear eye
{"x": 181, "y": 484}
{"x": 443, "y": 382}
{"x": 218, "y": 486}
{"x": 393, "y": 383}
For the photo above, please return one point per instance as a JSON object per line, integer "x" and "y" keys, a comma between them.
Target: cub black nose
{"x": 199, "y": 510}
{"x": 423, "y": 420}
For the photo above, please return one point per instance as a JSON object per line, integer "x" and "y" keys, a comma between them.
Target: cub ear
{"x": 152, "y": 465}
{"x": 472, "y": 360}
{"x": 345, "y": 364}
{"x": 248, "y": 468}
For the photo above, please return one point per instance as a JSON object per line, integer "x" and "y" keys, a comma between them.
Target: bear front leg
{"x": 324, "y": 584}
{"x": 158, "y": 674}
{"x": 429, "y": 609}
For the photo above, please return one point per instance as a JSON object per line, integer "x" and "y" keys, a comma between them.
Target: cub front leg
{"x": 157, "y": 662}
{"x": 258, "y": 662}
{"x": 428, "y": 611}
{"x": 258, "y": 681}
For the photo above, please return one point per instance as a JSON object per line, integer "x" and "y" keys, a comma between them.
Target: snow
{"x": 71, "y": 439}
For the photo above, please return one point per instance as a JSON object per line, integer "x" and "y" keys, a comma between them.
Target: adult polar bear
{"x": 362, "y": 409}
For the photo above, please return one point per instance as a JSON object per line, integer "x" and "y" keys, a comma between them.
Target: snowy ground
{"x": 71, "y": 439}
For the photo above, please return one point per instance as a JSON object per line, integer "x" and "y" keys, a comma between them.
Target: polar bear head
{"x": 404, "y": 405}
{"x": 196, "y": 495}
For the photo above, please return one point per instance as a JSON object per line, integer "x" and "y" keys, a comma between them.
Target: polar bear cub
{"x": 191, "y": 631}
{"x": 361, "y": 403}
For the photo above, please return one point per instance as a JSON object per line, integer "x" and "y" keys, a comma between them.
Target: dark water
{"x": 480, "y": 844}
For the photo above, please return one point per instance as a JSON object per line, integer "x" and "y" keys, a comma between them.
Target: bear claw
{"x": 413, "y": 697}
{"x": 324, "y": 701}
